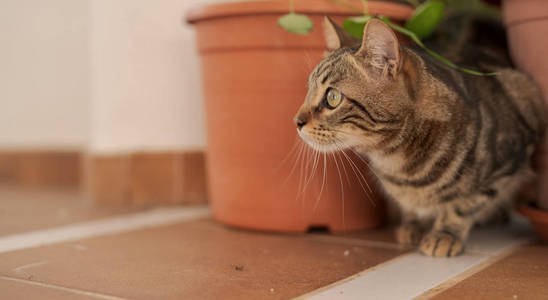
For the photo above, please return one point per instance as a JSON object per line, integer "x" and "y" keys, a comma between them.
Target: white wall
{"x": 106, "y": 75}
{"x": 145, "y": 77}
{"x": 44, "y": 94}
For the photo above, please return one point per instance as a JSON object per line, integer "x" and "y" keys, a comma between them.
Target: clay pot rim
{"x": 536, "y": 215}
{"x": 200, "y": 13}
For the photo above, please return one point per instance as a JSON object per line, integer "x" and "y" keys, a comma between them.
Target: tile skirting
{"x": 127, "y": 179}
{"x": 147, "y": 178}
{"x": 41, "y": 168}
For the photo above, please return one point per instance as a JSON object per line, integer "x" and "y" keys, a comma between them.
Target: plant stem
{"x": 444, "y": 60}
{"x": 291, "y": 7}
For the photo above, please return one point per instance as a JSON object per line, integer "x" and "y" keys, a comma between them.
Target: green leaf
{"x": 355, "y": 25}
{"x": 296, "y": 23}
{"x": 426, "y": 18}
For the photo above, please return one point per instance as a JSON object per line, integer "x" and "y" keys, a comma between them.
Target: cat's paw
{"x": 441, "y": 244}
{"x": 408, "y": 234}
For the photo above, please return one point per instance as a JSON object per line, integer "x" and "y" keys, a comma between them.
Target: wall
{"x": 145, "y": 79}
{"x": 44, "y": 74}
{"x": 107, "y": 76}
{"x": 146, "y": 97}
{"x": 116, "y": 79}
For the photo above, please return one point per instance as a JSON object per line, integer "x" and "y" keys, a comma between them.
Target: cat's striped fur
{"x": 451, "y": 149}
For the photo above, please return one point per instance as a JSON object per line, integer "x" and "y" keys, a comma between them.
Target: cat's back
{"x": 516, "y": 93}
{"x": 510, "y": 94}
{"x": 502, "y": 116}
{"x": 524, "y": 92}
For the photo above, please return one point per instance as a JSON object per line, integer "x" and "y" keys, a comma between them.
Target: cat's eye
{"x": 333, "y": 98}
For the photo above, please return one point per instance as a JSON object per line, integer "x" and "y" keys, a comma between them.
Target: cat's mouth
{"x": 321, "y": 140}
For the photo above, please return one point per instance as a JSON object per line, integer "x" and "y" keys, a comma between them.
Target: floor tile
{"x": 522, "y": 275}
{"x": 27, "y": 209}
{"x": 194, "y": 260}
{"x": 381, "y": 237}
{"x": 383, "y": 234}
{"x": 17, "y": 290}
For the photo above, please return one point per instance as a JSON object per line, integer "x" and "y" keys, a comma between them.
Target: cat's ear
{"x": 380, "y": 46}
{"x": 336, "y": 37}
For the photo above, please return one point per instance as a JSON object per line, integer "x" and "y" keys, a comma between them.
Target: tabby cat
{"x": 451, "y": 149}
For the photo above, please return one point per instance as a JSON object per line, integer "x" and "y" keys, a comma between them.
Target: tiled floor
{"x": 10, "y": 289}
{"x": 521, "y": 275}
{"x": 27, "y": 209}
{"x": 180, "y": 253}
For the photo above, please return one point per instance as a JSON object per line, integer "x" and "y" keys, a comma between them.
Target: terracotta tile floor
{"x": 193, "y": 260}
{"x": 200, "y": 259}
{"x": 17, "y": 290}
{"x": 27, "y": 209}
{"x": 521, "y": 275}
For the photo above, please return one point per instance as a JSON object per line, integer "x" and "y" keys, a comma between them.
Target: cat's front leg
{"x": 448, "y": 234}
{"x": 410, "y": 231}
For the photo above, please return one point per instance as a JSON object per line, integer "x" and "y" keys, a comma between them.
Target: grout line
{"x": 357, "y": 242}
{"x": 62, "y": 288}
{"x": 32, "y": 265}
{"x": 178, "y": 178}
{"x": 475, "y": 269}
{"x": 127, "y": 189}
{"x": 108, "y": 226}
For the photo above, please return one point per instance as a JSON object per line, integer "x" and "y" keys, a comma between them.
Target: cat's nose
{"x": 300, "y": 122}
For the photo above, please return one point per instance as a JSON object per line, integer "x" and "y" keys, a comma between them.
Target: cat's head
{"x": 357, "y": 95}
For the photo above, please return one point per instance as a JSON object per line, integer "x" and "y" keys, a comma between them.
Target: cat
{"x": 451, "y": 149}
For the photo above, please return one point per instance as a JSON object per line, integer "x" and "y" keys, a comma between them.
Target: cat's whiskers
{"x": 324, "y": 180}
{"x": 306, "y": 163}
{"x": 314, "y": 167}
{"x": 342, "y": 165}
{"x": 296, "y": 163}
{"x": 366, "y": 163}
{"x": 357, "y": 172}
{"x": 341, "y": 181}
{"x": 298, "y": 141}
{"x": 310, "y": 162}
{"x": 303, "y": 171}
{"x": 346, "y": 146}
{"x": 359, "y": 176}
{"x": 354, "y": 163}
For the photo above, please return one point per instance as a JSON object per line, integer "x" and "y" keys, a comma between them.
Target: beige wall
{"x": 44, "y": 94}
{"x": 145, "y": 77}
{"x": 107, "y": 75}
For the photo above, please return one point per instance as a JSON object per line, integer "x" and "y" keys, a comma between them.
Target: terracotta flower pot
{"x": 254, "y": 76}
{"x": 539, "y": 219}
{"x": 527, "y": 24}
